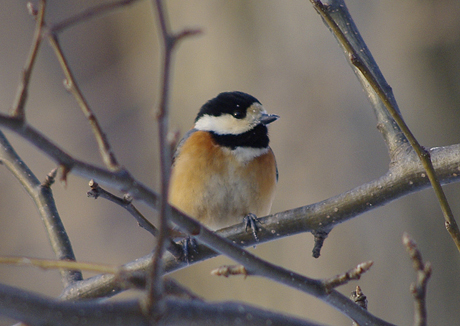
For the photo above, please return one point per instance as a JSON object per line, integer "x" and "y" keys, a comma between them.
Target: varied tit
{"x": 223, "y": 169}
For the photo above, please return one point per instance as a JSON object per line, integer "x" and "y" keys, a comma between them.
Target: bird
{"x": 223, "y": 170}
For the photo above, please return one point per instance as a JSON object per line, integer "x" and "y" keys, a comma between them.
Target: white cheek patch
{"x": 223, "y": 125}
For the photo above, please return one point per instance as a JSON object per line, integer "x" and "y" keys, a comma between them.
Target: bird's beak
{"x": 268, "y": 118}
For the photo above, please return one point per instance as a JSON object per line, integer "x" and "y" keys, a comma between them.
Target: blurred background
{"x": 326, "y": 141}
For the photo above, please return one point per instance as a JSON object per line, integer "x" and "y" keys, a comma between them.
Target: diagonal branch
{"x": 126, "y": 202}
{"x": 17, "y": 109}
{"x": 70, "y": 84}
{"x": 43, "y": 197}
{"x": 335, "y": 13}
{"x": 88, "y": 14}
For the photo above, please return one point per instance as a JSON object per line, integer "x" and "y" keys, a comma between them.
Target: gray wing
{"x": 182, "y": 141}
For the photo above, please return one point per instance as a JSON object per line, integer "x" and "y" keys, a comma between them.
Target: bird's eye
{"x": 239, "y": 114}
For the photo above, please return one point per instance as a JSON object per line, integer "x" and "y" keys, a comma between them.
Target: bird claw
{"x": 251, "y": 221}
{"x": 189, "y": 246}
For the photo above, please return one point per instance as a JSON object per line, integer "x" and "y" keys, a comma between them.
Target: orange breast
{"x": 211, "y": 185}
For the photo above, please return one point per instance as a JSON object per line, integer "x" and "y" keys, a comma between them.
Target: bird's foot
{"x": 189, "y": 247}
{"x": 251, "y": 222}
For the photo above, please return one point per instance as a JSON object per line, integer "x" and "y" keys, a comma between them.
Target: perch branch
{"x": 401, "y": 180}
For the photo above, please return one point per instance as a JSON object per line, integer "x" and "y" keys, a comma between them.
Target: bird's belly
{"x": 216, "y": 188}
{"x": 227, "y": 199}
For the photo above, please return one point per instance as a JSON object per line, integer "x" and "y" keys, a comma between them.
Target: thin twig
{"x": 418, "y": 288}
{"x": 126, "y": 202}
{"x": 367, "y": 72}
{"x": 88, "y": 14}
{"x": 44, "y": 200}
{"x": 60, "y": 264}
{"x": 228, "y": 270}
{"x": 70, "y": 84}
{"x": 353, "y": 274}
{"x": 155, "y": 286}
{"x": 319, "y": 235}
{"x": 17, "y": 110}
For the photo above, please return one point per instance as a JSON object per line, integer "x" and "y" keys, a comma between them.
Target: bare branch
{"x": 319, "y": 235}
{"x": 64, "y": 264}
{"x": 335, "y": 12}
{"x": 395, "y": 184}
{"x": 88, "y": 14}
{"x": 344, "y": 278}
{"x": 126, "y": 202}
{"x": 70, "y": 84}
{"x": 418, "y": 288}
{"x": 43, "y": 197}
{"x": 17, "y": 109}
{"x": 228, "y": 270}
{"x": 155, "y": 286}
{"x": 33, "y": 309}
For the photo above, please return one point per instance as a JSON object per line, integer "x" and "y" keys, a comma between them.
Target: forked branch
{"x": 336, "y": 16}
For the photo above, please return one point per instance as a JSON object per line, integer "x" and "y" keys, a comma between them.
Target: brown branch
{"x": 228, "y": 270}
{"x": 70, "y": 84}
{"x": 418, "y": 288}
{"x": 353, "y": 274}
{"x": 17, "y": 110}
{"x": 370, "y": 72}
{"x": 155, "y": 284}
{"x": 60, "y": 264}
